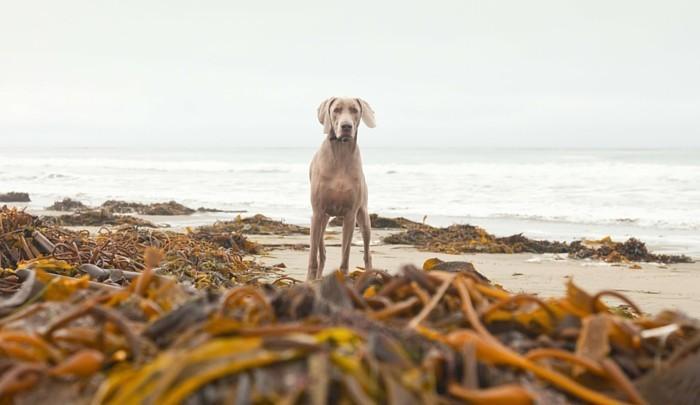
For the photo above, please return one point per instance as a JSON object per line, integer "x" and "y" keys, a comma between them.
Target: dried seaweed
{"x": 110, "y": 318}
{"x": 457, "y": 239}
{"x": 14, "y": 196}
{"x": 190, "y": 259}
{"x": 381, "y": 222}
{"x": 256, "y": 225}
{"x": 98, "y": 217}
{"x": 614, "y": 252}
{"x": 415, "y": 337}
{"x": 164, "y": 208}
{"x": 67, "y": 204}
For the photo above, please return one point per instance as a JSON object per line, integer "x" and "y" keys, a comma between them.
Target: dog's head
{"x": 340, "y": 117}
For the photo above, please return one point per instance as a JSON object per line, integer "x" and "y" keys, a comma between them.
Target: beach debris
{"x": 14, "y": 196}
{"x": 632, "y": 250}
{"x": 453, "y": 267}
{"x": 204, "y": 209}
{"x": 162, "y": 208}
{"x": 370, "y": 337}
{"x": 461, "y": 238}
{"x": 381, "y": 222}
{"x": 98, "y": 217}
{"x": 193, "y": 260}
{"x": 220, "y": 234}
{"x": 67, "y": 204}
{"x": 256, "y": 225}
{"x": 457, "y": 239}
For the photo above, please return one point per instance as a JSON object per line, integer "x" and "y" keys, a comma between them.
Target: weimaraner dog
{"x": 338, "y": 186}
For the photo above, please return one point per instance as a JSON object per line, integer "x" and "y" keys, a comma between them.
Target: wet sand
{"x": 654, "y": 287}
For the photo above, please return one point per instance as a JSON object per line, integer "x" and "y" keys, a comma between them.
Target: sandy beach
{"x": 654, "y": 287}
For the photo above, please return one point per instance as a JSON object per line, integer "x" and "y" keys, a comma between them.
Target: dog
{"x": 338, "y": 187}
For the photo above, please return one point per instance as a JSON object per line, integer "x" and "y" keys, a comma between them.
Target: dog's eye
{"x": 353, "y": 110}
{"x": 337, "y": 110}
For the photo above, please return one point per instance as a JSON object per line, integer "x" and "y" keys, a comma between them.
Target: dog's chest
{"x": 339, "y": 193}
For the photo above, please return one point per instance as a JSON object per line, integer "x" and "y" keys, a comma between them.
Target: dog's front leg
{"x": 348, "y": 229}
{"x": 365, "y": 228}
{"x": 322, "y": 246}
{"x": 315, "y": 235}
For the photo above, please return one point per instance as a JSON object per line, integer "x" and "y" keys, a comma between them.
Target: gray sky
{"x": 490, "y": 73}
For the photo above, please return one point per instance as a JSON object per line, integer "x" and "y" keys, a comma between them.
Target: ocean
{"x": 544, "y": 193}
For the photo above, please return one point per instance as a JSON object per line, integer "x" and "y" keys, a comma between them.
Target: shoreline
{"x": 654, "y": 286}
{"x": 658, "y": 240}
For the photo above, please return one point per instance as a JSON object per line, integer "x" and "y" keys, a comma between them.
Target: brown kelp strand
{"x": 457, "y": 239}
{"x": 420, "y": 336}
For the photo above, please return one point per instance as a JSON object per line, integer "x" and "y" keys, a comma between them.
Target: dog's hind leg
{"x": 365, "y": 228}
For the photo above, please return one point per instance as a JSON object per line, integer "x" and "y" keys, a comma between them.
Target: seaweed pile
{"x": 257, "y": 225}
{"x": 98, "y": 217}
{"x": 67, "y": 204}
{"x": 416, "y": 337}
{"x": 165, "y": 208}
{"x": 457, "y": 239}
{"x": 470, "y": 239}
{"x": 190, "y": 259}
{"x": 14, "y": 196}
{"x": 381, "y": 222}
{"x": 615, "y": 252}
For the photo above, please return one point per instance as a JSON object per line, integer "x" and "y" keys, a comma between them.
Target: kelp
{"x": 111, "y": 318}
{"x": 123, "y": 207}
{"x": 14, "y": 196}
{"x": 460, "y": 238}
{"x": 98, "y": 217}
{"x": 457, "y": 239}
{"x": 190, "y": 259}
{"x": 615, "y": 252}
{"x": 255, "y": 225}
{"x": 221, "y": 235}
{"x": 419, "y": 336}
{"x": 162, "y": 208}
{"x": 381, "y": 222}
{"x": 67, "y": 204}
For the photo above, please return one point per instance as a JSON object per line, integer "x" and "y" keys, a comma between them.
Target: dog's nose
{"x": 346, "y": 127}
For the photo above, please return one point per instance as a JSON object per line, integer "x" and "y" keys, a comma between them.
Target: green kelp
{"x": 370, "y": 337}
{"x": 67, "y": 204}
{"x": 256, "y": 225}
{"x": 457, "y": 239}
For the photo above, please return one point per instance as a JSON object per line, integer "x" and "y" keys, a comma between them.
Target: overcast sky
{"x": 438, "y": 73}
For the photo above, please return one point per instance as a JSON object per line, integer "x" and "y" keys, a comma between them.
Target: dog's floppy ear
{"x": 367, "y": 113}
{"x": 324, "y": 116}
